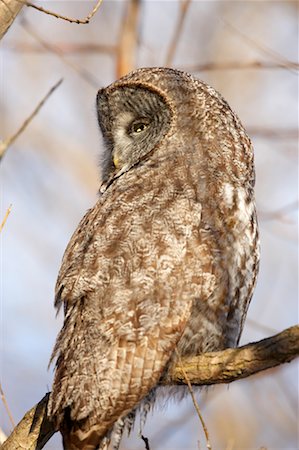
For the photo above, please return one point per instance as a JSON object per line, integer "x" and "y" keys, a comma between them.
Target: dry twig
{"x": 289, "y": 65}
{"x": 5, "y": 144}
{"x": 3, "y": 398}
{"x": 84, "y": 21}
{"x": 240, "y": 65}
{"x": 224, "y": 366}
{"x": 177, "y": 31}
{"x": 64, "y": 47}
{"x": 85, "y": 74}
{"x": 196, "y": 406}
{"x": 1, "y": 228}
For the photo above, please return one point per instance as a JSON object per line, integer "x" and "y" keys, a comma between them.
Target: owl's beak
{"x": 116, "y": 161}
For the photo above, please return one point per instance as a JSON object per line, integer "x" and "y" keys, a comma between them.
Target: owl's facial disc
{"x": 133, "y": 121}
{"x": 130, "y": 134}
{"x": 137, "y": 127}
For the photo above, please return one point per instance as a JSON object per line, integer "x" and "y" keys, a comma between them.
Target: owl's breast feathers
{"x": 127, "y": 297}
{"x": 131, "y": 275}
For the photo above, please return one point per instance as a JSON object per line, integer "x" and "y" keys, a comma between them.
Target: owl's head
{"x": 133, "y": 119}
{"x": 166, "y": 113}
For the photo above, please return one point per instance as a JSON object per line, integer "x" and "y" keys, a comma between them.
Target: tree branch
{"x": 84, "y": 21}
{"x": 236, "y": 363}
{"x": 33, "y": 431}
{"x": 9, "y": 9}
{"x": 5, "y": 144}
{"x": 225, "y": 366}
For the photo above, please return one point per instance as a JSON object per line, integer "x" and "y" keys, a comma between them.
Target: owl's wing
{"x": 127, "y": 297}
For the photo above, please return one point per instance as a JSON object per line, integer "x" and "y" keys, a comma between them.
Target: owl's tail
{"x": 80, "y": 437}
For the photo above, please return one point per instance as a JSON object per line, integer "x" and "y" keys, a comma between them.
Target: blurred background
{"x": 247, "y": 50}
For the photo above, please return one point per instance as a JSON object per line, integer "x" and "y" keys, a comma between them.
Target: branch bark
{"x": 9, "y": 9}
{"x": 234, "y": 364}
{"x": 225, "y": 366}
{"x": 33, "y": 431}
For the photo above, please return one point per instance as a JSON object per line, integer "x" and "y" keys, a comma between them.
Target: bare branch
{"x": 225, "y": 366}
{"x": 1, "y": 390}
{"x": 9, "y": 9}
{"x": 263, "y": 48}
{"x": 84, "y": 21}
{"x": 5, "y": 144}
{"x": 33, "y": 431}
{"x": 126, "y": 57}
{"x": 64, "y": 47}
{"x": 1, "y": 228}
{"x": 177, "y": 32}
{"x": 236, "y": 363}
{"x": 85, "y": 74}
{"x": 187, "y": 381}
{"x": 241, "y": 65}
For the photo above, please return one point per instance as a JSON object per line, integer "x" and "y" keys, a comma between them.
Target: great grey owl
{"x": 166, "y": 261}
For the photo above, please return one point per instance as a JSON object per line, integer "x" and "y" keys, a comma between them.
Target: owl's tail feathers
{"x": 79, "y": 437}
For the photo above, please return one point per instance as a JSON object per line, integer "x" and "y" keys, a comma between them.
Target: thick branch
{"x": 34, "y": 430}
{"x": 9, "y": 9}
{"x": 236, "y": 363}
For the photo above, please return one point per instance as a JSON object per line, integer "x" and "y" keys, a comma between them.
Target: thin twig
{"x": 5, "y": 144}
{"x": 292, "y": 67}
{"x": 177, "y": 31}
{"x": 85, "y": 74}
{"x": 84, "y": 21}
{"x": 205, "y": 429}
{"x": 6, "y": 407}
{"x": 5, "y": 218}
{"x": 64, "y": 47}
{"x": 240, "y": 65}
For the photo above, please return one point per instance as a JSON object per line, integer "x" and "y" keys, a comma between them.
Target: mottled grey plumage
{"x": 166, "y": 259}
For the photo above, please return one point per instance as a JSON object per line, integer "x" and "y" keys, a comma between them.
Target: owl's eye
{"x": 139, "y": 126}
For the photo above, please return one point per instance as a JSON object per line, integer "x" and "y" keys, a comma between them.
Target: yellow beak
{"x": 116, "y": 161}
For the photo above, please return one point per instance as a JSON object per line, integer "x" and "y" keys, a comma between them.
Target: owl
{"x": 164, "y": 265}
